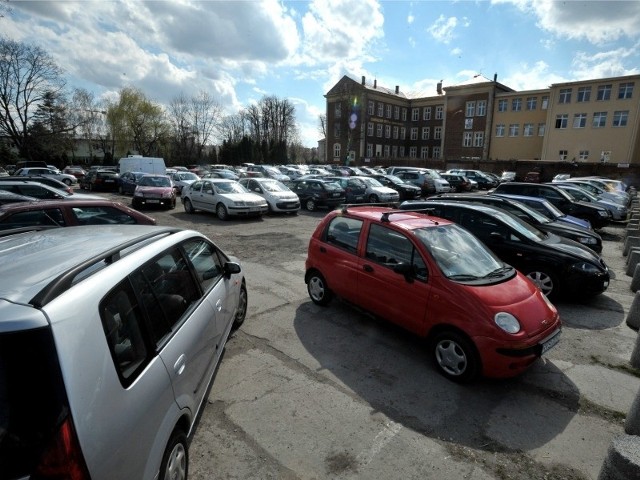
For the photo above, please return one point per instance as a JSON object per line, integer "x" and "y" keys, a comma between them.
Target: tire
{"x": 310, "y": 205}
{"x": 135, "y": 205}
{"x": 173, "y": 204}
{"x": 318, "y": 290}
{"x": 188, "y": 207}
{"x": 546, "y": 281}
{"x": 67, "y": 182}
{"x": 241, "y": 312}
{"x": 175, "y": 460}
{"x": 455, "y": 356}
{"x": 221, "y": 211}
{"x": 373, "y": 198}
{"x": 120, "y": 190}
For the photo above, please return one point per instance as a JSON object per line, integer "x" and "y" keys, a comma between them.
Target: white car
{"x": 223, "y": 197}
{"x": 182, "y": 179}
{"x": 376, "y": 192}
{"x": 66, "y": 178}
{"x": 279, "y": 197}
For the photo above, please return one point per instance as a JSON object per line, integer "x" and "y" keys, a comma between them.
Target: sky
{"x": 239, "y": 51}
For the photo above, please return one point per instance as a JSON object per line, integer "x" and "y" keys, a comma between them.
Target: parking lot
{"x": 309, "y": 392}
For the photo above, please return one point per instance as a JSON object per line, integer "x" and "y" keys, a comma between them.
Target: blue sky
{"x": 239, "y": 51}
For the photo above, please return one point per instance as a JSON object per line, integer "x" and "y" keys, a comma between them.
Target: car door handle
{"x": 323, "y": 250}
{"x": 367, "y": 268}
{"x": 219, "y": 305}
{"x": 180, "y": 364}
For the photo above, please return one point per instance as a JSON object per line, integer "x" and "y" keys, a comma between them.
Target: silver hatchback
{"x": 109, "y": 340}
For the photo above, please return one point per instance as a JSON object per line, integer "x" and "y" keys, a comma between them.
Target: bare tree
{"x": 87, "y": 117}
{"x": 206, "y": 113}
{"x": 232, "y": 128}
{"x": 322, "y": 125}
{"x": 27, "y": 74}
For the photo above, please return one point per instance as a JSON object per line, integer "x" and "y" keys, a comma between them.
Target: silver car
{"x": 376, "y": 192}
{"x": 223, "y": 197}
{"x": 65, "y": 178}
{"x": 279, "y": 197}
{"x": 108, "y": 348}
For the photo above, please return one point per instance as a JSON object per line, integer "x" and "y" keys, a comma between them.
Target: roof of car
{"x": 406, "y": 219}
{"x": 38, "y": 204}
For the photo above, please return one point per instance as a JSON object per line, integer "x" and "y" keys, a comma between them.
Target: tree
{"x": 49, "y": 133}
{"x": 322, "y": 125}
{"x": 27, "y": 75}
{"x": 86, "y": 115}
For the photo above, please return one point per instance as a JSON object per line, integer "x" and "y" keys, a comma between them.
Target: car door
{"x": 195, "y": 193}
{"x": 207, "y": 196}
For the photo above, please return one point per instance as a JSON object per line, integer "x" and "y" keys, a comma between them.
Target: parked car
{"x": 435, "y": 279}
{"x": 621, "y": 198}
{"x": 618, "y": 212}
{"x": 223, "y": 197}
{"x": 69, "y": 213}
{"x": 458, "y": 182}
{"x": 279, "y": 197}
{"x": 546, "y": 208}
{"x": 376, "y": 192}
{"x": 7, "y": 197}
{"x": 67, "y": 179}
{"x": 118, "y": 330}
{"x": 556, "y": 264}
{"x": 425, "y": 179}
{"x": 182, "y": 179}
{"x": 598, "y": 217}
{"x": 223, "y": 173}
{"x": 42, "y": 191}
{"x": 484, "y": 182}
{"x": 269, "y": 171}
{"x": 154, "y": 191}
{"x": 355, "y": 190}
{"x": 533, "y": 177}
{"x": 128, "y": 182}
{"x": 316, "y": 192}
{"x": 74, "y": 170}
{"x": 508, "y": 176}
{"x": 582, "y": 235}
{"x": 102, "y": 180}
{"x": 50, "y": 181}
{"x": 406, "y": 190}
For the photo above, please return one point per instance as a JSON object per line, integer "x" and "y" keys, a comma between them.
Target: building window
{"x": 396, "y": 112}
{"x": 481, "y": 108}
{"x": 584, "y": 94}
{"x": 532, "y": 103}
{"x": 401, "y": 152}
{"x": 336, "y": 150}
{"x": 386, "y": 151}
{"x": 478, "y": 139}
{"x": 468, "y": 123}
{"x": 426, "y": 113}
{"x": 439, "y": 112}
{"x": 562, "y": 120}
{"x": 394, "y": 151}
{"x": 545, "y": 102}
{"x": 542, "y": 128}
{"x": 413, "y": 152}
{"x": 415, "y": 114}
{"x": 583, "y": 155}
{"x": 379, "y": 130}
{"x": 604, "y": 92}
{"x": 500, "y": 130}
{"x": 338, "y": 110}
{"x": 436, "y": 152}
{"x": 502, "y": 105}
{"x": 387, "y": 131}
{"x": 514, "y": 129}
{"x": 528, "y": 130}
{"x": 565, "y": 95}
{"x": 380, "y": 109}
{"x": 370, "y": 129}
{"x": 389, "y": 111}
{"x": 516, "y": 104}
{"x": 437, "y": 133}
{"x": 466, "y": 139}
{"x": 625, "y": 90}
{"x": 424, "y": 152}
{"x": 403, "y": 133}
{"x": 425, "y": 133}
{"x": 369, "y": 150}
{"x": 580, "y": 120}
{"x": 414, "y": 133}
{"x": 336, "y": 129}
{"x": 404, "y": 114}
{"x": 563, "y": 154}
{"x": 470, "y": 109}
{"x": 599, "y": 119}
{"x": 395, "y": 133}
{"x": 620, "y": 118}
{"x": 370, "y": 107}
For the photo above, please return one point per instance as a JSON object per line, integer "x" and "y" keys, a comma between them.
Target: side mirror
{"x": 231, "y": 267}
{"x": 405, "y": 270}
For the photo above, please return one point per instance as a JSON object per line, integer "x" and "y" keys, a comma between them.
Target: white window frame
{"x": 527, "y": 130}
{"x": 470, "y": 109}
{"x": 415, "y": 114}
{"x": 481, "y": 108}
{"x": 425, "y": 133}
{"x": 500, "y": 129}
{"x": 514, "y": 129}
{"x": 478, "y": 139}
{"x": 599, "y": 120}
{"x": 439, "y": 112}
{"x": 579, "y": 120}
{"x": 620, "y": 118}
{"x": 414, "y": 133}
{"x": 467, "y": 139}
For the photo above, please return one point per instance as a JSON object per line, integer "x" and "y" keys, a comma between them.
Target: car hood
{"x": 384, "y": 190}
{"x": 84, "y": 196}
{"x": 575, "y": 249}
{"x": 557, "y": 225}
{"x": 243, "y": 197}
{"x": 282, "y": 195}
{"x": 155, "y": 190}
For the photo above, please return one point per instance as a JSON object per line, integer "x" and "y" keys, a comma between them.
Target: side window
{"x": 344, "y": 232}
{"x": 207, "y": 188}
{"x": 389, "y": 247}
{"x": 101, "y": 216}
{"x": 51, "y": 217}
{"x": 122, "y": 323}
{"x": 206, "y": 261}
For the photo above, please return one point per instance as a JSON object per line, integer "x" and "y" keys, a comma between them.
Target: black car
{"x": 355, "y": 189}
{"x": 104, "y": 180}
{"x": 316, "y": 192}
{"x": 556, "y": 264}
{"x": 406, "y": 190}
{"x": 581, "y": 235}
{"x": 458, "y": 182}
{"x": 597, "y": 216}
{"x": 484, "y": 181}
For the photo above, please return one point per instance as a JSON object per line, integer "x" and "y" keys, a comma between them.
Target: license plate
{"x": 153, "y": 201}
{"x": 335, "y": 194}
{"x": 549, "y": 344}
{"x": 254, "y": 209}
{"x": 109, "y": 181}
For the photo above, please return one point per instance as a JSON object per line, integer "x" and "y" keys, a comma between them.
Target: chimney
{"x": 439, "y": 87}
{"x": 375, "y": 83}
{"x": 363, "y": 80}
{"x": 397, "y": 89}
{"x": 495, "y": 77}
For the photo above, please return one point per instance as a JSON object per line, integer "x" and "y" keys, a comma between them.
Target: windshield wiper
{"x": 498, "y": 272}
{"x": 463, "y": 276}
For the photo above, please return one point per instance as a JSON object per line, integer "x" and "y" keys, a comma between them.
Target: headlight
{"x": 585, "y": 267}
{"x": 587, "y": 240}
{"x": 603, "y": 213}
{"x": 167, "y": 194}
{"x": 239, "y": 203}
{"x": 507, "y": 322}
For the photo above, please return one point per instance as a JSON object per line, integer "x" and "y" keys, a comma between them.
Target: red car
{"x": 154, "y": 191}
{"x": 479, "y": 315}
{"x": 69, "y": 213}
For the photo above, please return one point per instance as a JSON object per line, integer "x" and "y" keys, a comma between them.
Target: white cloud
{"x": 531, "y": 77}
{"x": 410, "y": 19}
{"x": 603, "y": 64}
{"x": 443, "y": 29}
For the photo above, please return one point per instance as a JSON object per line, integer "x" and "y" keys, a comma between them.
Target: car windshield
{"x": 522, "y": 227}
{"x": 395, "y": 179}
{"x": 229, "y": 187}
{"x": 458, "y": 253}
{"x": 533, "y": 213}
{"x": 274, "y": 186}
{"x": 372, "y": 182}
{"x": 155, "y": 181}
{"x": 332, "y": 186}
{"x": 187, "y": 176}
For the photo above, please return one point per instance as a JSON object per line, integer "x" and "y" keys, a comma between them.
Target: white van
{"x": 138, "y": 163}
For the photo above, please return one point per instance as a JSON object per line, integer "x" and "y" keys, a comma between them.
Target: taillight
{"x": 62, "y": 458}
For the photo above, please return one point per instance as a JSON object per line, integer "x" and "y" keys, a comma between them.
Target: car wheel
{"x": 318, "y": 290}
{"x": 121, "y": 190}
{"x": 241, "y": 312}
{"x": 373, "y": 199}
{"x": 67, "y": 182}
{"x": 188, "y": 207}
{"x": 135, "y": 205}
{"x": 175, "y": 460}
{"x": 221, "y": 211}
{"x": 172, "y": 205}
{"x": 310, "y": 205}
{"x": 455, "y": 356}
{"x": 544, "y": 280}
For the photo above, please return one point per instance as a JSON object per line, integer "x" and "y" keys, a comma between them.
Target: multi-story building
{"x": 586, "y": 121}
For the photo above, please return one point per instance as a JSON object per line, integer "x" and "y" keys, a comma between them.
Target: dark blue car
{"x": 129, "y": 181}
